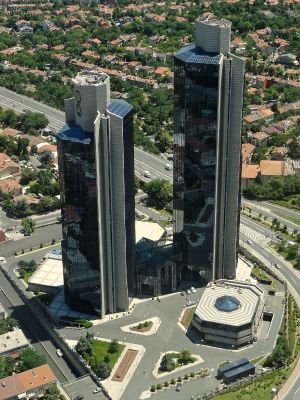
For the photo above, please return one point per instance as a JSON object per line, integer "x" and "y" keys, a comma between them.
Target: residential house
{"x": 248, "y": 175}
{"x": 267, "y": 114}
{"x": 281, "y": 44}
{"x": 260, "y": 138}
{"x": 247, "y": 152}
{"x": 279, "y": 153}
{"x": 23, "y": 26}
{"x": 9, "y": 132}
{"x": 11, "y": 343}
{"x": 249, "y": 119}
{"x": 161, "y": 71}
{"x": 11, "y": 186}
{"x": 7, "y": 166}
{"x": 288, "y": 59}
{"x": 271, "y": 168}
{"x": 238, "y": 46}
{"x": 48, "y": 25}
{"x": 27, "y": 384}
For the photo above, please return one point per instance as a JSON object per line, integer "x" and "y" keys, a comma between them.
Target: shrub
{"x": 166, "y": 384}
{"x": 192, "y": 374}
{"x": 23, "y": 251}
{"x": 146, "y": 324}
{"x": 186, "y": 377}
{"x": 159, "y": 386}
{"x": 53, "y": 241}
{"x": 106, "y": 358}
{"x": 140, "y": 325}
{"x": 179, "y": 379}
{"x": 88, "y": 324}
{"x": 41, "y": 245}
{"x": 114, "y": 346}
{"x": 153, "y": 388}
{"x": 173, "y": 381}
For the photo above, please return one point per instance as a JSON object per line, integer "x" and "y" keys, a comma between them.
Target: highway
{"x": 143, "y": 161}
{"x": 33, "y": 329}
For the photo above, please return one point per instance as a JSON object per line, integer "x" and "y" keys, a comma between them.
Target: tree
{"x": 29, "y": 359}
{"x": 6, "y": 366}
{"x": 168, "y": 363}
{"x": 28, "y": 225}
{"x": 102, "y": 370}
{"x": 114, "y": 346}
{"x": 26, "y": 267}
{"x": 185, "y": 356}
{"x": 7, "y": 325}
{"x": 84, "y": 347}
{"x": 28, "y": 174}
{"x": 159, "y": 192}
{"x": 52, "y": 393}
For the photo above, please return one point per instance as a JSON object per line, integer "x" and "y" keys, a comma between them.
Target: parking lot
{"x": 83, "y": 386}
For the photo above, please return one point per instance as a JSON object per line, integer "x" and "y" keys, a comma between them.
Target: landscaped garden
{"x": 99, "y": 354}
{"x": 187, "y": 317}
{"x": 142, "y": 327}
{"x": 171, "y": 361}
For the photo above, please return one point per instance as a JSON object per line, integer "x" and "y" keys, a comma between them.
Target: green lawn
{"x": 190, "y": 314}
{"x": 100, "y": 350}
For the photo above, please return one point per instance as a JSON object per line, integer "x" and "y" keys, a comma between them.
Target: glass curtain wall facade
{"x": 80, "y": 250}
{"x": 96, "y": 166}
{"x": 204, "y": 114}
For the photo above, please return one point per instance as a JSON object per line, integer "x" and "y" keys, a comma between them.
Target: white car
{"x": 2, "y": 260}
{"x": 192, "y": 289}
{"x": 249, "y": 242}
{"x": 59, "y": 353}
{"x": 147, "y": 174}
{"x": 168, "y": 167}
{"x": 97, "y": 390}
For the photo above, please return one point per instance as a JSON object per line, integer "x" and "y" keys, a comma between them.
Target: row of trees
{"x": 84, "y": 347}
{"x": 275, "y": 189}
{"x": 27, "y": 122}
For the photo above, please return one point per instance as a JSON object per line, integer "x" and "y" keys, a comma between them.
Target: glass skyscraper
{"x": 96, "y": 166}
{"x": 208, "y": 98}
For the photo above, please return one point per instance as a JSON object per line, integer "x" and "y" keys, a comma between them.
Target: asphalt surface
{"x": 143, "y": 161}
{"x": 33, "y": 329}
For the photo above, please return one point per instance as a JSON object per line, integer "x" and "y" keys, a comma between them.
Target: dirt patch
{"x": 124, "y": 366}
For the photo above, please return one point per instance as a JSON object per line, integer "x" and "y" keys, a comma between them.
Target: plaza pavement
{"x": 170, "y": 337}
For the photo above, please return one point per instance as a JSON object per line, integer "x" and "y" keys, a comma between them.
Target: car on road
{"x": 187, "y": 291}
{"x": 249, "y": 242}
{"x": 168, "y": 167}
{"x": 2, "y": 260}
{"x": 59, "y": 352}
{"x": 277, "y": 266}
{"x": 279, "y": 237}
{"x": 80, "y": 397}
{"x": 192, "y": 289}
{"x": 178, "y": 387}
{"x": 147, "y": 174}
{"x": 97, "y": 390}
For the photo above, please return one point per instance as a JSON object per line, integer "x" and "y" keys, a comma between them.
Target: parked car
{"x": 59, "y": 352}
{"x": 187, "y": 291}
{"x": 279, "y": 237}
{"x": 192, "y": 289}
{"x": 2, "y": 260}
{"x": 178, "y": 387}
{"x": 249, "y": 242}
{"x": 147, "y": 174}
{"x": 80, "y": 397}
{"x": 97, "y": 390}
{"x": 168, "y": 167}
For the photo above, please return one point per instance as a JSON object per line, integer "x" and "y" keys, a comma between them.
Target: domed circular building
{"x": 228, "y": 313}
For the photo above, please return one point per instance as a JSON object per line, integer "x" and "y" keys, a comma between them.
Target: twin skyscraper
{"x": 96, "y": 167}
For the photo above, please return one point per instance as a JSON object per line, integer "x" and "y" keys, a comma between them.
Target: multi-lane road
{"x": 143, "y": 161}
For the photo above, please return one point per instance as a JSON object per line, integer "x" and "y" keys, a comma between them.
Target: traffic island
{"x": 146, "y": 327}
{"x": 172, "y": 361}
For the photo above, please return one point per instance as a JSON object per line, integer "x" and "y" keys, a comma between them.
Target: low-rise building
{"x": 28, "y": 384}
{"x": 11, "y": 343}
{"x": 249, "y": 174}
{"x": 279, "y": 153}
{"x": 7, "y": 166}
{"x": 260, "y": 138}
{"x": 271, "y": 168}
{"x": 229, "y": 313}
{"x": 247, "y": 152}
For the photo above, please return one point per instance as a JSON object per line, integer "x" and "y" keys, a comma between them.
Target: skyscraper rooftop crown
{"x": 90, "y": 78}
{"x": 213, "y": 35}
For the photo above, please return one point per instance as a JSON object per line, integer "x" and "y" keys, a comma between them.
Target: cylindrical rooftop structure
{"x": 213, "y": 35}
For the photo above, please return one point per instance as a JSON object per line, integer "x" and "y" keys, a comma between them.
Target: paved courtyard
{"x": 170, "y": 337}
